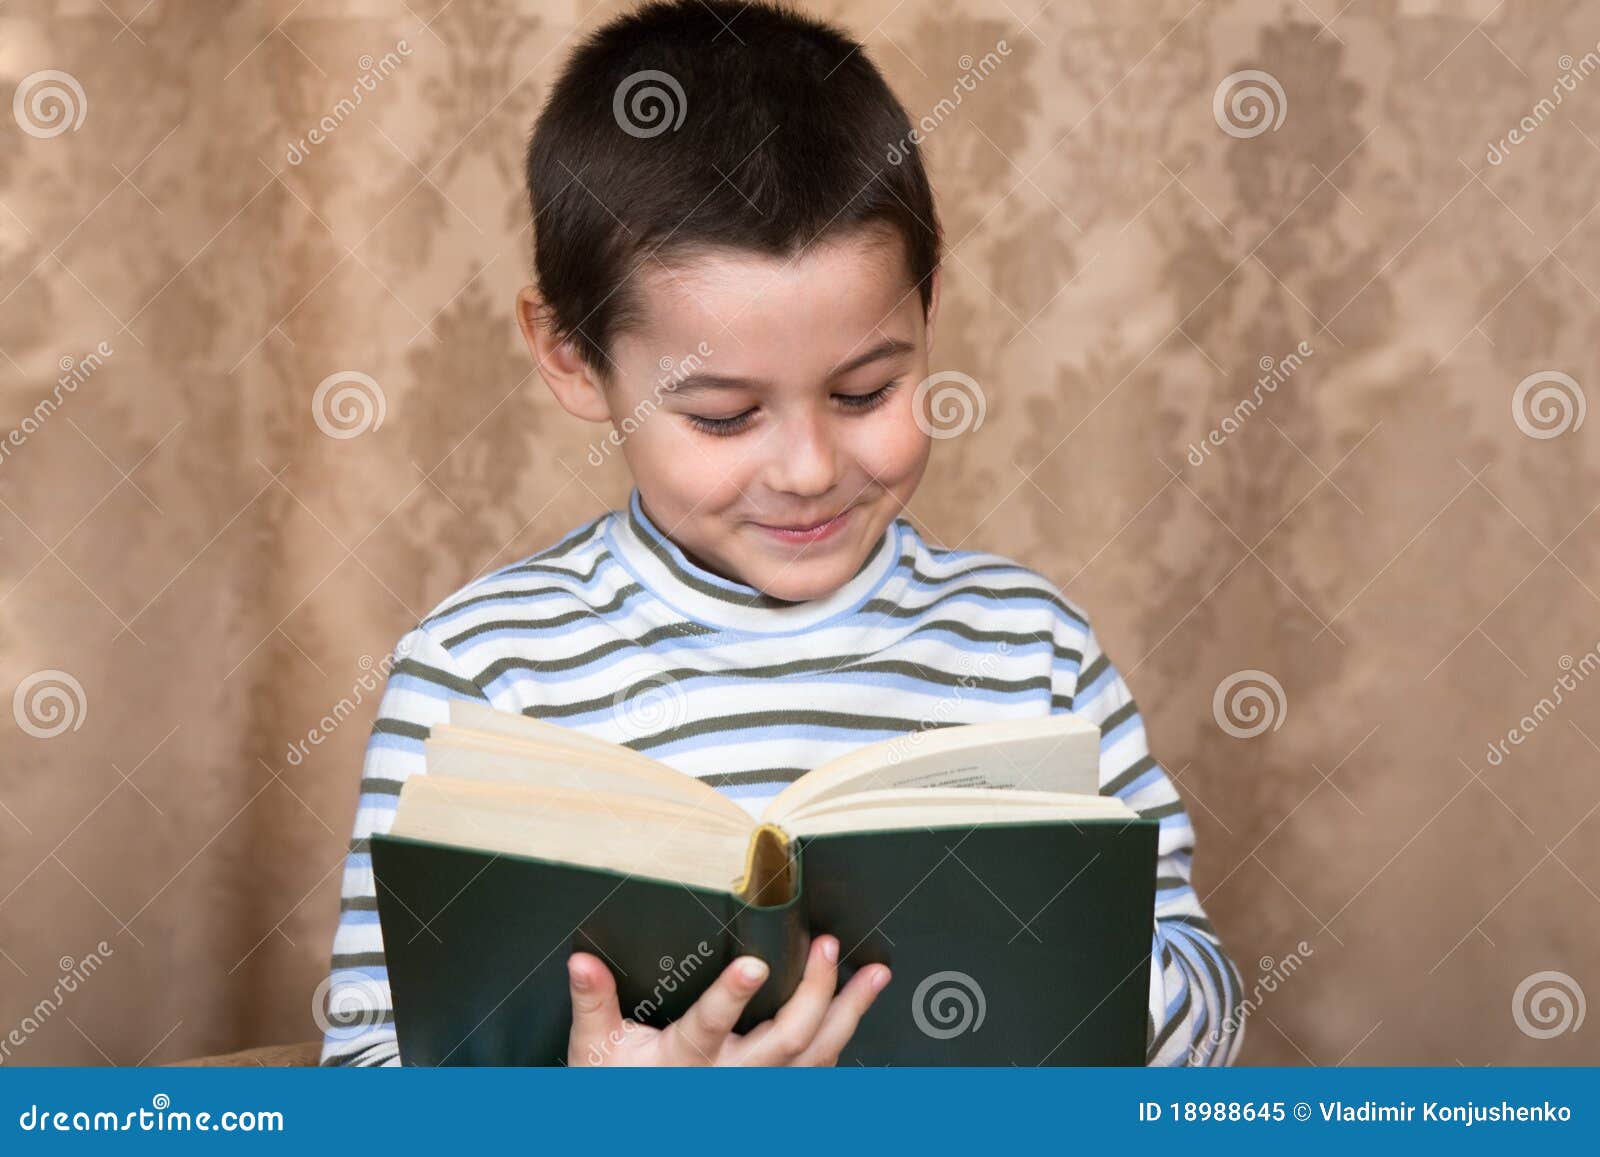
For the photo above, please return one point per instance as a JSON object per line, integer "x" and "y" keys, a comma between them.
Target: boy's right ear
{"x": 569, "y": 377}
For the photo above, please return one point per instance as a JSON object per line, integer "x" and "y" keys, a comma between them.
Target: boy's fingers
{"x": 596, "y": 1019}
{"x": 844, "y": 1014}
{"x": 787, "y": 1035}
{"x": 698, "y": 1035}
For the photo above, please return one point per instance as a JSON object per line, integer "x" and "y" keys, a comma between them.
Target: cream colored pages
{"x": 620, "y": 832}
{"x": 879, "y": 811}
{"x": 480, "y": 742}
{"x": 1054, "y": 753}
{"x": 457, "y": 754}
{"x": 526, "y": 729}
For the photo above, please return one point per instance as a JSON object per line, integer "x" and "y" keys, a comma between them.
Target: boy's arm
{"x": 359, "y": 1024}
{"x": 1195, "y": 991}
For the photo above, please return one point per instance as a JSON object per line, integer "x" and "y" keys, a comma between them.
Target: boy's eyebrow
{"x": 888, "y": 347}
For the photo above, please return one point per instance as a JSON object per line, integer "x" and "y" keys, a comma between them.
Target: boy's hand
{"x": 812, "y": 1028}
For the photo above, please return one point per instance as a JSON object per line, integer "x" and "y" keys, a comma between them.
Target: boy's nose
{"x": 805, "y": 459}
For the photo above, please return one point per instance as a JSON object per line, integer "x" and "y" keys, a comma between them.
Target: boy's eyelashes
{"x": 851, "y": 403}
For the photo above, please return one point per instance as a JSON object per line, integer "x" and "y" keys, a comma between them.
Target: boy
{"x": 710, "y": 193}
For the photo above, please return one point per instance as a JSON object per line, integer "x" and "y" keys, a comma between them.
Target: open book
{"x": 508, "y": 783}
{"x": 528, "y": 840}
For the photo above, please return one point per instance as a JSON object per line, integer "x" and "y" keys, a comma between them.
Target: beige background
{"x": 1381, "y": 537}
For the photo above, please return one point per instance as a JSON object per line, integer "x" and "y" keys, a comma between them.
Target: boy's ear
{"x": 569, "y": 377}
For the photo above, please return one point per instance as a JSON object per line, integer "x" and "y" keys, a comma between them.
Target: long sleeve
{"x": 358, "y": 1022}
{"x": 1195, "y": 992}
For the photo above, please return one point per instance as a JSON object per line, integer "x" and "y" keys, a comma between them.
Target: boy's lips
{"x": 807, "y": 532}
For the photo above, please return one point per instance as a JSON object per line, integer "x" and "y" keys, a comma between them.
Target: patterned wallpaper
{"x": 1278, "y": 312}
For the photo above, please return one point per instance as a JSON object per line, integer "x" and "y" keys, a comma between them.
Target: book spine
{"x": 780, "y": 937}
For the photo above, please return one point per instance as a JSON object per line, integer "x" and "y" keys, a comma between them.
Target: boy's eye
{"x": 856, "y": 403}
{"x": 867, "y": 401}
{"x": 722, "y": 426}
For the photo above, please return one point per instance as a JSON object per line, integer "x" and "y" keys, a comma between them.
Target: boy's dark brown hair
{"x": 692, "y": 125}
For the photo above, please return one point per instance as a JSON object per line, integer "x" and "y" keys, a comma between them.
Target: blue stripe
{"x": 664, "y": 649}
{"x": 1086, "y": 695}
{"x": 1109, "y": 738}
{"x": 792, "y": 733}
{"x": 600, "y": 579}
{"x": 939, "y": 692}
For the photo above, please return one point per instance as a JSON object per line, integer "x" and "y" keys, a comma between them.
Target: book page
{"x": 482, "y": 743}
{"x": 1055, "y": 753}
{"x": 950, "y": 807}
{"x": 623, "y": 833}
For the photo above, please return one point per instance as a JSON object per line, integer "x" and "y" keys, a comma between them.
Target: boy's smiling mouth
{"x": 808, "y": 532}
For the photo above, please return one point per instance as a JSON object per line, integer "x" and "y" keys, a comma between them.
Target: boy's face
{"x": 797, "y": 412}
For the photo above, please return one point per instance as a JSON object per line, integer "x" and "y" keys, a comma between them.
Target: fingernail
{"x": 753, "y": 970}
{"x": 830, "y": 949}
{"x": 880, "y": 977}
{"x": 580, "y": 978}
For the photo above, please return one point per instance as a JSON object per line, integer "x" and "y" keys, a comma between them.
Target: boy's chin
{"x": 804, "y": 580}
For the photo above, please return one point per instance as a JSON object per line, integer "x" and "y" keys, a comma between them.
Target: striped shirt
{"x": 615, "y": 632}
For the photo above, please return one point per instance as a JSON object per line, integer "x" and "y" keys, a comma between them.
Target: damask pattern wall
{"x": 1281, "y": 319}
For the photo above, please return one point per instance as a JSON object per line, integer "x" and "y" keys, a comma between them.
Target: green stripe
{"x": 1120, "y": 716}
{"x": 994, "y": 593}
{"x": 741, "y": 778}
{"x": 717, "y": 724}
{"x": 545, "y": 666}
{"x": 1162, "y": 812}
{"x": 554, "y": 621}
{"x": 357, "y": 960}
{"x": 445, "y": 679}
{"x": 560, "y": 549}
{"x": 681, "y": 676}
{"x": 401, "y": 727}
{"x": 1137, "y": 768}
{"x": 1087, "y": 677}
{"x": 521, "y": 592}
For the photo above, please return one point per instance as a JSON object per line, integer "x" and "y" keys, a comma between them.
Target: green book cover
{"x": 1010, "y": 943}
